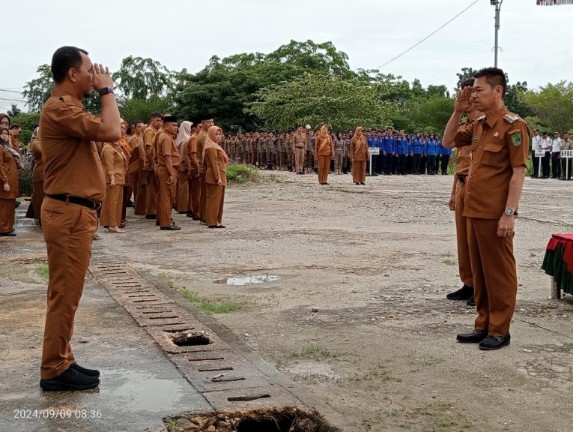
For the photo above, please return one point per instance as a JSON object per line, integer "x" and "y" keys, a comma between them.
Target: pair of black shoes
{"x": 485, "y": 341}
{"x": 8, "y": 234}
{"x": 75, "y": 378}
{"x": 464, "y": 293}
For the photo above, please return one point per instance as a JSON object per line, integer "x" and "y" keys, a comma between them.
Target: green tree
{"x": 319, "y": 99}
{"x": 141, "y": 78}
{"x": 553, "y": 105}
{"x": 14, "y": 111}
{"x": 37, "y": 91}
{"x": 225, "y": 86}
{"x": 28, "y": 122}
{"x": 432, "y": 113}
{"x": 140, "y": 110}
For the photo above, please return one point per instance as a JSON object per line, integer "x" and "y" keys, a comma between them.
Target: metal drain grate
{"x": 224, "y": 377}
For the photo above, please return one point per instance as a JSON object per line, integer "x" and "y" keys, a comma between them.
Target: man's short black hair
{"x": 494, "y": 77}
{"x": 15, "y": 126}
{"x": 64, "y": 59}
{"x": 469, "y": 82}
{"x": 156, "y": 114}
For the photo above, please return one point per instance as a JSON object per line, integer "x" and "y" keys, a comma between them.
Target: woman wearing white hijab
{"x": 182, "y": 194}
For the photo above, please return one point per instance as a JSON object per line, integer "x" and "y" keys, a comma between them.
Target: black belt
{"x": 94, "y": 205}
{"x": 462, "y": 178}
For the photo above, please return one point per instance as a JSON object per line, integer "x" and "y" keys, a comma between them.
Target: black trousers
{"x": 545, "y": 164}
{"x": 555, "y": 165}
{"x": 566, "y": 168}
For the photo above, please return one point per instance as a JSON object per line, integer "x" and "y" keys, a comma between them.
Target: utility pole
{"x": 497, "y": 4}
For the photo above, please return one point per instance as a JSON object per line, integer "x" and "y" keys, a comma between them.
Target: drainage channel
{"x": 227, "y": 379}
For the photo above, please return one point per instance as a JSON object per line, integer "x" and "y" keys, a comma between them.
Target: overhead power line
{"x": 10, "y": 91}
{"x": 429, "y": 36}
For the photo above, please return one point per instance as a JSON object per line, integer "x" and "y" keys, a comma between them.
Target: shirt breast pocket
{"x": 494, "y": 154}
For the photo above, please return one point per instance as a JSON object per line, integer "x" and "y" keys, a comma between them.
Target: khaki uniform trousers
{"x": 150, "y": 193}
{"x": 299, "y": 153}
{"x": 338, "y": 158}
{"x": 112, "y": 205}
{"x": 166, "y": 196}
{"x": 464, "y": 261}
{"x": 195, "y": 196}
{"x": 358, "y": 171}
{"x": 323, "y": 168}
{"x": 202, "y": 197}
{"x": 495, "y": 276}
{"x": 7, "y": 214}
{"x": 182, "y": 203}
{"x": 214, "y": 202}
{"x": 68, "y": 232}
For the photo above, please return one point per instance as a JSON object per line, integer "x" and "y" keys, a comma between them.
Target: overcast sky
{"x": 180, "y": 34}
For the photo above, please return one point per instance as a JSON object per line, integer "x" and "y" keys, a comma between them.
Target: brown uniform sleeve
{"x": 518, "y": 142}
{"x": 3, "y": 170}
{"x": 75, "y": 121}
{"x": 465, "y": 134}
{"x": 108, "y": 160}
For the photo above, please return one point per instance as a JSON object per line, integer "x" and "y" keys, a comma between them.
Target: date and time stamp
{"x": 38, "y": 414}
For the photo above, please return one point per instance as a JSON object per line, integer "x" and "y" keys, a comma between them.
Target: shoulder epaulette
{"x": 481, "y": 118}
{"x": 511, "y": 117}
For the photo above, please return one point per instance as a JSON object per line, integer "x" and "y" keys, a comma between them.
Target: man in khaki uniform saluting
{"x": 499, "y": 142}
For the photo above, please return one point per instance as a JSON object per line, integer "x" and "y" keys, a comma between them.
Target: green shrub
{"x": 240, "y": 173}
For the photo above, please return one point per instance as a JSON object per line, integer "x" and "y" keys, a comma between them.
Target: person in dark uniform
{"x": 500, "y": 150}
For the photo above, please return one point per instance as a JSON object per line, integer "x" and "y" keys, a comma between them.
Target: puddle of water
{"x": 247, "y": 280}
{"x": 142, "y": 391}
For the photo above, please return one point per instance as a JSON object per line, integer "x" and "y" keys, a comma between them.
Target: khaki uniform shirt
{"x": 71, "y": 162}
{"x": 498, "y": 144}
{"x": 38, "y": 173}
{"x": 148, "y": 140}
{"x": 165, "y": 145}
{"x": 114, "y": 163}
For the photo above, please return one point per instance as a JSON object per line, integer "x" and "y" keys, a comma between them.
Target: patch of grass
{"x": 211, "y": 306}
{"x": 311, "y": 349}
{"x": 449, "y": 261}
{"x": 431, "y": 361}
{"x": 379, "y": 374}
{"x": 42, "y": 271}
{"x": 241, "y": 174}
{"x": 166, "y": 279}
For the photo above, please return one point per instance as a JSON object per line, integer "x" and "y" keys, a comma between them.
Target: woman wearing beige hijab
{"x": 358, "y": 155}
{"x": 324, "y": 153}
{"x": 216, "y": 161}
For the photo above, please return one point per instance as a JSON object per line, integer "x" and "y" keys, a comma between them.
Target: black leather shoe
{"x": 85, "y": 371}
{"x": 474, "y": 336}
{"x": 69, "y": 380}
{"x": 464, "y": 293}
{"x": 471, "y": 301}
{"x": 494, "y": 342}
{"x": 8, "y": 234}
{"x": 150, "y": 216}
{"x": 170, "y": 228}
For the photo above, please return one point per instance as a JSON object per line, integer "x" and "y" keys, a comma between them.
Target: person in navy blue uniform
{"x": 432, "y": 152}
{"x": 445, "y": 154}
{"x": 409, "y": 155}
{"x": 401, "y": 151}
{"x": 424, "y": 160}
{"x": 388, "y": 145}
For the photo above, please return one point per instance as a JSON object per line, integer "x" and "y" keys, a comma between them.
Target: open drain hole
{"x": 285, "y": 419}
{"x": 191, "y": 339}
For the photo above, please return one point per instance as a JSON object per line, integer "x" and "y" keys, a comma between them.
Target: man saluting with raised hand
{"x": 499, "y": 141}
{"x": 74, "y": 184}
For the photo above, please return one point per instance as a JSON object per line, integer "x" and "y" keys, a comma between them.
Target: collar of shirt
{"x": 492, "y": 119}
